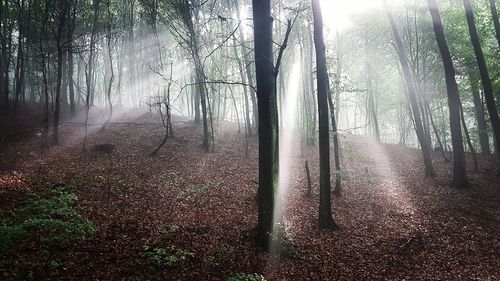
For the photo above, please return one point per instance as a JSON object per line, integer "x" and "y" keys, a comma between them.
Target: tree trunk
{"x": 372, "y": 111}
{"x": 494, "y": 15}
{"x": 71, "y": 65}
{"x": 459, "y": 169}
{"x": 467, "y": 138}
{"x": 20, "y": 68}
{"x": 247, "y": 64}
{"x": 245, "y": 91}
{"x": 61, "y": 6}
{"x": 485, "y": 77}
{"x": 417, "y": 118}
{"x": 6, "y": 45}
{"x": 268, "y": 120}
{"x": 336, "y": 148}
{"x": 484, "y": 140}
{"x": 325, "y": 204}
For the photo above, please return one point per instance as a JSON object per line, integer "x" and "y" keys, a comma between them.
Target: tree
{"x": 6, "y": 28}
{"x": 412, "y": 94}
{"x": 62, "y": 13}
{"x": 459, "y": 170}
{"x": 182, "y": 16}
{"x": 484, "y": 140}
{"x": 325, "y": 205}
{"x": 485, "y": 77}
{"x": 494, "y": 15}
{"x": 268, "y": 119}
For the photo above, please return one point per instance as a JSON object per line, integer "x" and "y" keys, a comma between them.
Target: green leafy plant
{"x": 282, "y": 243}
{"x": 167, "y": 256}
{"x": 169, "y": 229}
{"x": 246, "y": 277}
{"x": 51, "y": 215}
{"x": 201, "y": 189}
{"x": 225, "y": 249}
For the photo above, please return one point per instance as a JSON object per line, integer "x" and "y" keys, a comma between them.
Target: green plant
{"x": 246, "y": 277}
{"x": 167, "y": 256}
{"x": 282, "y": 244}
{"x": 201, "y": 189}
{"x": 51, "y": 215}
{"x": 169, "y": 229}
{"x": 225, "y": 249}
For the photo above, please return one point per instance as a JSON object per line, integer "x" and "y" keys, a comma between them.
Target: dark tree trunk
{"x": 89, "y": 74}
{"x": 61, "y": 6}
{"x": 325, "y": 204}
{"x": 71, "y": 82}
{"x": 6, "y": 45}
{"x": 459, "y": 169}
{"x": 485, "y": 77}
{"x": 494, "y": 14}
{"x": 308, "y": 177}
{"x": 268, "y": 119}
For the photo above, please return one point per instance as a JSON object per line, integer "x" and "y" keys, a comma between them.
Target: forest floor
{"x": 190, "y": 215}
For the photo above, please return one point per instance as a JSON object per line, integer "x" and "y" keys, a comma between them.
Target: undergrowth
{"x": 168, "y": 256}
{"x": 50, "y": 217}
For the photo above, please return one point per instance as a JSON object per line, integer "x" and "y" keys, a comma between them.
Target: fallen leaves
{"x": 394, "y": 223}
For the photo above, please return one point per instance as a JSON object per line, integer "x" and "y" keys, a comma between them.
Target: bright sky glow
{"x": 337, "y": 13}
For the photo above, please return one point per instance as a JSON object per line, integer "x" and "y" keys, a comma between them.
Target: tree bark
{"x": 325, "y": 205}
{"x": 484, "y": 140}
{"x": 494, "y": 15}
{"x": 485, "y": 77}
{"x": 61, "y": 6}
{"x": 459, "y": 169}
{"x": 268, "y": 119}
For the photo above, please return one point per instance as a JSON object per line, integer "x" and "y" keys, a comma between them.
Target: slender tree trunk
{"x": 310, "y": 72}
{"x": 131, "y": 85}
{"x": 6, "y": 48}
{"x": 484, "y": 140}
{"x": 247, "y": 65}
{"x": 111, "y": 76}
{"x": 20, "y": 69}
{"x": 62, "y": 6}
{"x": 372, "y": 112}
{"x": 64, "y": 85}
{"x": 459, "y": 169}
{"x": 71, "y": 65}
{"x": 196, "y": 100}
{"x": 336, "y": 148}
{"x": 245, "y": 91}
{"x": 485, "y": 78}
{"x": 325, "y": 204}
{"x": 467, "y": 138}
{"x": 494, "y": 15}
{"x": 90, "y": 69}
{"x": 436, "y": 133}
{"x": 417, "y": 118}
